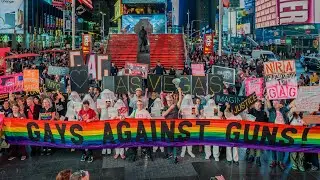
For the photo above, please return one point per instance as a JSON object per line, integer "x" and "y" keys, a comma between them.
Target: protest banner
{"x": 254, "y": 85}
{"x": 246, "y": 103}
{"x": 136, "y": 69}
{"x": 79, "y": 79}
{"x": 197, "y": 69}
{"x": 92, "y": 66}
{"x": 160, "y": 132}
{"x": 108, "y": 83}
{"x": 31, "y": 80}
{"x": 103, "y": 66}
{"x": 208, "y": 44}
{"x": 308, "y": 99}
{"x": 53, "y": 85}
{"x": 226, "y": 98}
{"x": 280, "y": 77}
{"x": 11, "y": 83}
{"x": 57, "y": 70}
{"x": 228, "y": 74}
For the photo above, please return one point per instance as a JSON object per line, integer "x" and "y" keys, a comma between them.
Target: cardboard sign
{"x": 134, "y": 83}
{"x": 197, "y": 69}
{"x": 56, "y": 70}
{"x": 228, "y": 74}
{"x": 281, "y": 81}
{"x": 76, "y": 59}
{"x": 154, "y": 83}
{"x": 92, "y": 66}
{"x": 199, "y": 85}
{"x": 246, "y": 103}
{"x": 11, "y": 83}
{"x": 226, "y": 98}
{"x": 103, "y": 66}
{"x": 53, "y": 85}
{"x": 136, "y": 69}
{"x": 31, "y": 80}
{"x": 311, "y": 119}
{"x": 254, "y": 85}
{"x": 108, "y": 82}
{"x": 79, "y": 79}
{"x": 308, "y": 98}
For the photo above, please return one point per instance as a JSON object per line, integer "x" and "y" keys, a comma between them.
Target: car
{"x": 256, "y": 54}
{"x": 311, "y": 63}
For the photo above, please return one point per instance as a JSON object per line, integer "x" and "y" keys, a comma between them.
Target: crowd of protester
{"x": 63, "y": 107}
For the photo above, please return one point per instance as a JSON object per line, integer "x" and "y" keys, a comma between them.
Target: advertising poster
{"x": 11, "y": 17}
{"x": 208, "y": 44}
{"x": 11, "y": 83}
{"x": 281, "y": 81}
{"x": 31, "y": 80}
{"x": 296, "y": 12}
{"x": 136, "y": 69}
{"x": 197, "y": 69}
{"x": 152, "y": 23}
{"x": 254, "y": 85}
{"x": 86, "y": 44}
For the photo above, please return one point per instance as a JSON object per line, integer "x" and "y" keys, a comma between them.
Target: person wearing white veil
{"x": 73, "y": 106}
{"x": 211, "y": 111}
{"x": 186, "y": 110}
{"x": 156, "y": 109}
{"x": 93, "y": 105}
{"x": 107, "y": 94}
{"x": 119, "y": 105}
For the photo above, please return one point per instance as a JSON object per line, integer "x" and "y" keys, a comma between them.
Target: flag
{"x": 87, "y": 3}
{"x": 226, "y": 3}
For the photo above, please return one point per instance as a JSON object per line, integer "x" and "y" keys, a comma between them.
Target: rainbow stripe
{"x": 134, "y": 133}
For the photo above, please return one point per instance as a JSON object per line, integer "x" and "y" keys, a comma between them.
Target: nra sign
{"x": 295, "y": 11}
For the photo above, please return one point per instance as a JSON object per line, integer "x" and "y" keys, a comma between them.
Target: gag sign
{"x": 246, "y": 103}
{"x": 159, "y": 132}
{"x": 197, "y": 85}
{"x": 281, "y": 81}
{"x": 226, "y": 98}
{"x": 228, "y": 74}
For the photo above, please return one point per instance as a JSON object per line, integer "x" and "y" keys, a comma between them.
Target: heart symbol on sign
{"x": 77, "y": 81}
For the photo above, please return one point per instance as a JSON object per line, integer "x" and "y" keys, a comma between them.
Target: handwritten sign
{"x": 311, "y": 119}
{"x": 228, "y": 74}
{"x": 226, "y": 98}
{"x": 31, "y": 80}
{"x": 254, "y": 85}
{"x": 197, "y": 69}
{"x": 11, "y": 83}
{"x": 308, "y": 98}
{"x": 56, "y": 70}
{"x": 281, "y": 82}
{"x": 246, "y": 103}
{"x": 52, "y": 85}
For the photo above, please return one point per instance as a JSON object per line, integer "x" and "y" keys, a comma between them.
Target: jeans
{"x": 277, "y": 156}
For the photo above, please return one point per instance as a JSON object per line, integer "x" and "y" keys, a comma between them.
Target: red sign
{"x": 208, "y": 44}
{"x": 295, "y": 11}
{"x": 3, "y": 65}
{"x": 86, "y": 44}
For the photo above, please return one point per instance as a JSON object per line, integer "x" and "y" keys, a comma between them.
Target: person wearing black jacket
{"x": 159, "y": 69}
{"x": 261, "y": 116}
{"x": 172, "y": 71}
{"x": 186, "y": 70}
{"x": 114, "y": 70}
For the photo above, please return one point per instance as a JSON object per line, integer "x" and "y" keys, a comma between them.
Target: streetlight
{"x": 102, "y": 24}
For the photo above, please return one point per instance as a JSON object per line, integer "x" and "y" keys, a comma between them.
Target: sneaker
{"x": 43, "y": 152}
{"x": 90, "y": 159}
{"x": 207, "y": 158}
{"x": 123, "y": 156}
{"x": 314, "y": 168}
{"x": 251, "y": 159}
{"x": 301, "y": 168}
{"x": 282, "y": 166}
{"x": 273, "y": 164}
{"x": 216, "y": 159}
{"x": 49, "y": 152}
{"x": 104, "y": 151}
{"x": 23, "y": 158}
{"x": 294, "y": 167}
{"x": 116, "y": 156}
{"x": 72, "y": 150}
{"x": 258, "y": 162}
{"x": 11, "y": 158}
{"x": 192, "y": 155}
{"x": 236, "y": 163}
{"x": 83, "y": 158}
{"x": 229, "y": 162}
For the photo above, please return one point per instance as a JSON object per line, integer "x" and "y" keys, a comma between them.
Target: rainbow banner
{"x": 136, "y": 132}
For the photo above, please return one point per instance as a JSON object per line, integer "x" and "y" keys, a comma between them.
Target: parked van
{"x": 256, "y": 54}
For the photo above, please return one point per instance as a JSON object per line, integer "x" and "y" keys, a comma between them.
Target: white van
{"x": 256, "y": 54}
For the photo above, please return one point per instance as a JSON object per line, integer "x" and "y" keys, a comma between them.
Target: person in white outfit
{"x": 232, "y": 152}
{"x": 119, "y": 105}
{"x": 74, "y": 106}
{"x": 188, "y": 111}
{"x": 211, "y": 111}
{"x": 93, "y": 105}
{"x": 156, "y": 109}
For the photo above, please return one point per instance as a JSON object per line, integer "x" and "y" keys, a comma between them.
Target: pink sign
{"x": 254, "y": 85}
{"x": 197, "y": 69}
{"x": 11, "y": 83}
{"x": 282, "y": 88}
{"x": 1, "y": 121}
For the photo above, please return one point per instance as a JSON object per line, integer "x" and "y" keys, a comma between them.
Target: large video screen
{"x": 11, "y": 16}
{"x": 155, "y": 24}
{"x": 142, "y": 1}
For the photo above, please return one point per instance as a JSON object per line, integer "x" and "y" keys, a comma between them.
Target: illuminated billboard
{"x": 284, "y": 12}
{"x": 152, "y": 23}
{"x": 12, "y": 17}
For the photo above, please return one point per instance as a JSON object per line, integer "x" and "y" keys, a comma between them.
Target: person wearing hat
{"x": 138, "y": 96}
